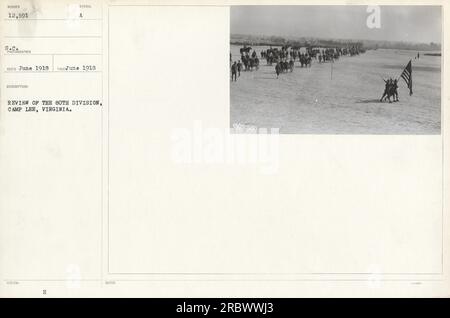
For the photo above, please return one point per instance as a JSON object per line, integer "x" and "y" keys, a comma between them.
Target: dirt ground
{"x": 340, "y": 97}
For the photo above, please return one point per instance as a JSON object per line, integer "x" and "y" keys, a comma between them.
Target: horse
{"x": 308, "y": 61}
{"x": 278, "y": 69}
{"x": 245, "y": 49}
{"x": 245, "y": 61}
{"x": 256, "y": 62}
{"x": 284, "y": 66}
{"x": 252, "y": 62}
{"x": 305, "y": 60}
{"x": 291, "y": 65}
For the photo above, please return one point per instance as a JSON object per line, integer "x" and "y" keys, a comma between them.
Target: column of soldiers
{"x": 280, "y": 58}
{"x": 284, "y": 58}
{"x": 249, "y": 62}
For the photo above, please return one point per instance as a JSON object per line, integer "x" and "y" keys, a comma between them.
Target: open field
{"x": 340, "y": 97}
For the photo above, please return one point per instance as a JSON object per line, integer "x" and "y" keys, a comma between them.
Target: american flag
{"x": 407, "y": 76}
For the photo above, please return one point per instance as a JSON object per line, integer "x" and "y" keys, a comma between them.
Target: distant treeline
{"x": 240, "y": 39}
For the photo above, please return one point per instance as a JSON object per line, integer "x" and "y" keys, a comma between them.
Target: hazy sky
{"x": 398, "y": 23}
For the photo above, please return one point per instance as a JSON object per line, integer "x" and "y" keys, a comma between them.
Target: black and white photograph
{"x": 224, "y": 156}
{"x": 336, "y": 69}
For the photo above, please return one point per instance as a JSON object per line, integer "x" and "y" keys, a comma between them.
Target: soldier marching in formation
{"x": 390, "y": 90}
{"x": 233, "y": 71}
